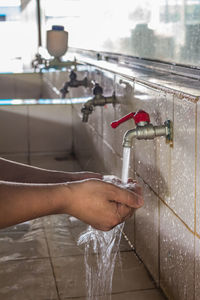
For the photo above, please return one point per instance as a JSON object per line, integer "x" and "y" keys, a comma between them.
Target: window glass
{"x": 19, "y": 35}
{"x": 167, "y": 30}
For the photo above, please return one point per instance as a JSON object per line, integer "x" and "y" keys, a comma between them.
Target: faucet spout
{"x": 74, "y": 83}
{"x": 128, "y": 137}
{"x": 145, "y": 132}
{"x": 86, "y": 110}
{"x": 144, "y": 129}
{"x": 97, "y": 100}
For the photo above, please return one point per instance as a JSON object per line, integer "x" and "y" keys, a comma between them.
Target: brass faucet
{"x": 74, "y": 82}
{"x": 144, "y": 129}
{"x": 98, "y": 100}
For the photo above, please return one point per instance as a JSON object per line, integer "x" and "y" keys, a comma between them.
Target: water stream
{"x": 101, "y": 249}
{"x": 126, "y": 163}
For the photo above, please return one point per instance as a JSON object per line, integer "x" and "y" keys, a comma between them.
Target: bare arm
{"x": 100, "y": 204}
{"x": 17, "y": 172}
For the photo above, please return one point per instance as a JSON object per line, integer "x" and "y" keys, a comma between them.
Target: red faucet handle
{"x": 139, "y": 116}
{"x": 116, "y": 123}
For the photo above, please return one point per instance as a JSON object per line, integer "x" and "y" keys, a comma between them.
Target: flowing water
{"x": 101, "y": 249}
{"x": 126, "y": 162}
{"x": 100, "y": 265}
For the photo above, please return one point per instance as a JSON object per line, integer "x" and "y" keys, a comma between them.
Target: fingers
{"x": 131, "y": 180}
{"x": 124, "y": 211}
{"x": 132, "y": 198}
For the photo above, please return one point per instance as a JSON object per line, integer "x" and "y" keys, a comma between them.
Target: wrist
{"x": 65, "y": 198}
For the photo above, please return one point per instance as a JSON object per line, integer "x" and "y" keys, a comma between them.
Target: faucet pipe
{"x": 40, "y": 63}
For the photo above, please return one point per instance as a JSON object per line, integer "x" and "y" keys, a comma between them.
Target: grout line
{"x": 133, "y": 249}
{"x": 157, "y": 146}
{"x": 51, "y": 263}
{"x": 25, "y": 259}
{"x": 194, "y": 233}
{"x": 117, "y": 293}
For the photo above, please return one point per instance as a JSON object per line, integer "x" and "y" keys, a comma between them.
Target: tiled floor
{"x": 40, "y": 260}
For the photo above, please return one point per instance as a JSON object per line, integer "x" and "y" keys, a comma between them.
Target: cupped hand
{"x": 101, "y": 204}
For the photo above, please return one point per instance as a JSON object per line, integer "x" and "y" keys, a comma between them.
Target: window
{"x": 167, "y": 30}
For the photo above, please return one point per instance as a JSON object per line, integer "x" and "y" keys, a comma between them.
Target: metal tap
{"x": 37, "y": 62}
{"x": 74, "y": 82}
{"x": 144, "y": 129}
{"x": 97, "y": 100}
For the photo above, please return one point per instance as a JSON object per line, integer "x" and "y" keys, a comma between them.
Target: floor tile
{"x": 25, "y": 226}
{"x": 61, "y": 242}
{"x": 55, "y": 221}
{"x": 22, "y": 245}
{"x": 20, "y": 157}
{"x": 129, "y": 275}
{"x": 27, "y": 280}
{"x": 151, "y": 294}
{"x": 139, "y": 295}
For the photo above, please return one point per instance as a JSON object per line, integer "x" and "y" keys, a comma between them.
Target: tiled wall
{"x": 29, "y": 130}
{"x": 166, "y": 231}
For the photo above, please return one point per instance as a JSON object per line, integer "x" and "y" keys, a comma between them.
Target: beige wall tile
{"x": 129, "y": 230}
{"x": 198, "y": 172}
{"x": 183, "y": 161}
{"x": 125, "y": 96}
{"x": 111, "y": 160}
{"x": 20, "y": 157}
{"x": 88, "y": 145}
{"x": 197, "y": 268}
{"x": 96, "y": 120}
{"x": 7, "y": 87}
{"x": 147, "y": 231}
{"x": 108, "y": 111}
{"x": 13, "y": 129}
{"x": 28, "y": 86}
{"x": 81, "y": 140}
{"x": 176, "y": 257}
{"x": 50, "y": 128}
{"x": 164, "y": 112}
{"x": 145, "y": 150}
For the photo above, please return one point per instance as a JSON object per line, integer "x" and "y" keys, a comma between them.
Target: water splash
{"x": 100, "y": 265}
{"x": 105, "y": 247}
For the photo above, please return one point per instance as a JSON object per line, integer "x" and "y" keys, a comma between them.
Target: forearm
{"x": 17, "y": 172}
{"x": 100, "y": 204}
{"x": 22, "y": 202}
